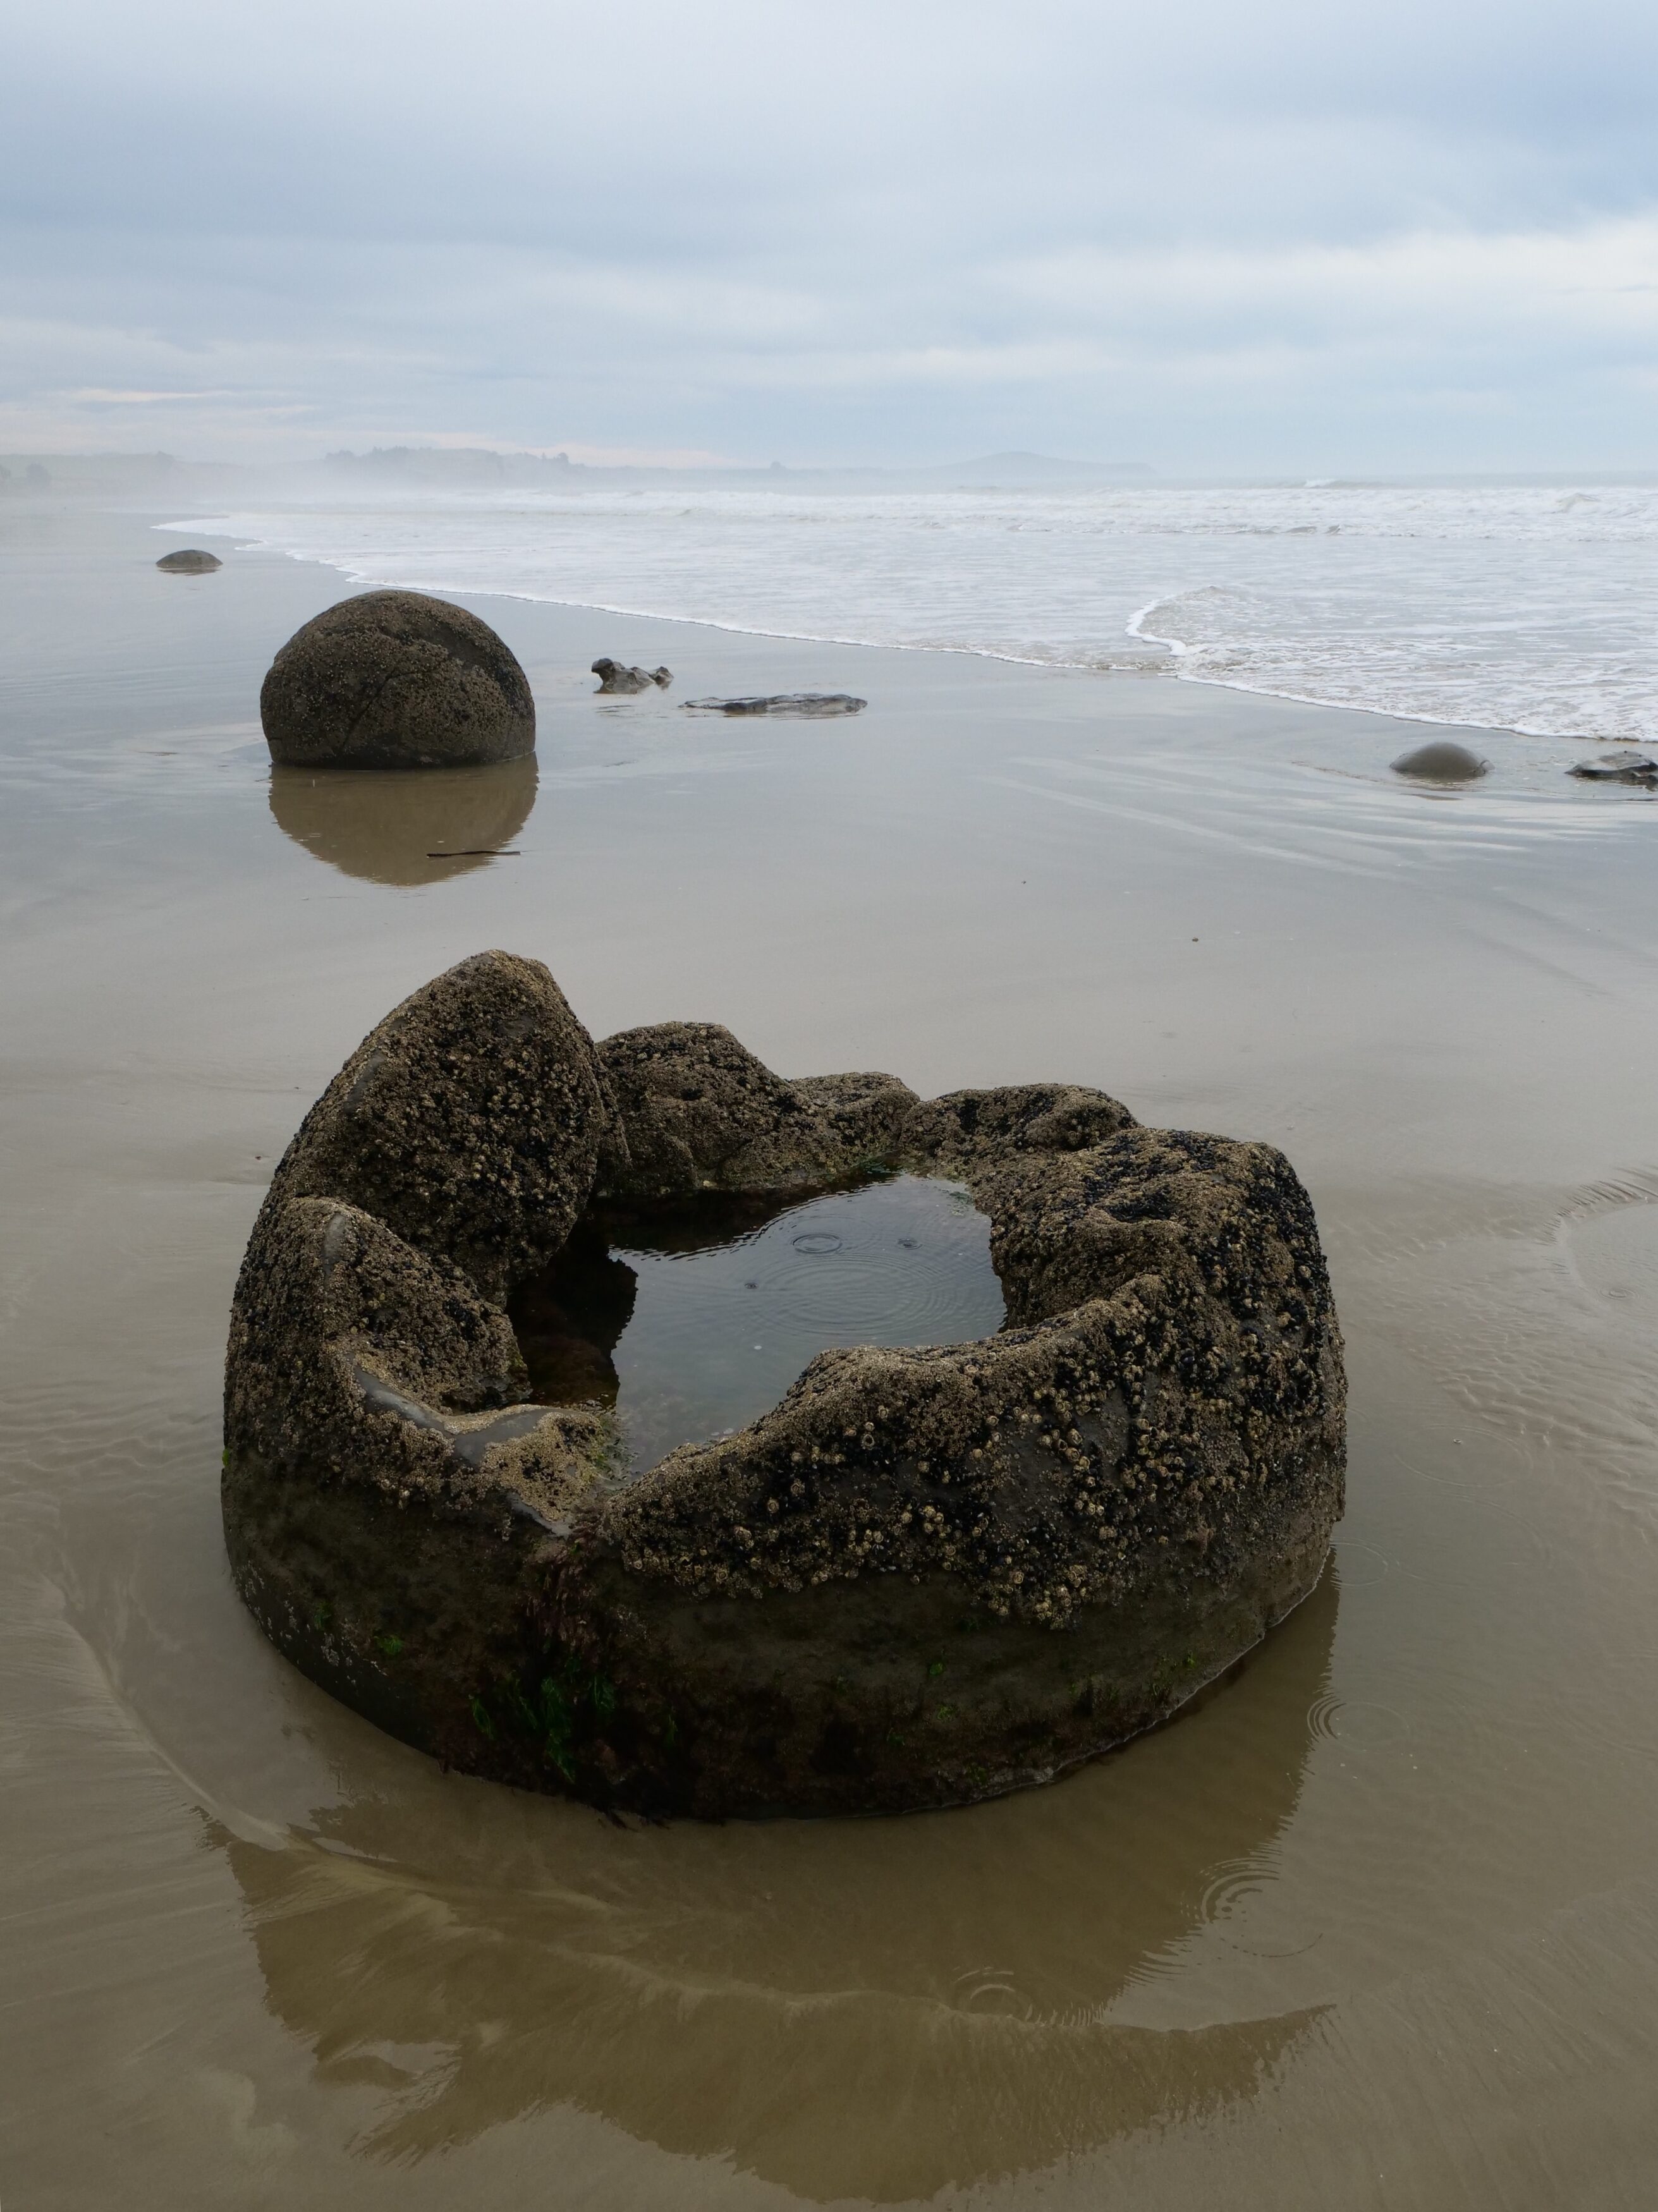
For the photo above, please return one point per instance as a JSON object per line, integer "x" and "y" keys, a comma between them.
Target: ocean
{"x": 1532, "y": 609}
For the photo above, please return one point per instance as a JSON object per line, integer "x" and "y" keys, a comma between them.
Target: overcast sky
{"x": 1296, "y": 234}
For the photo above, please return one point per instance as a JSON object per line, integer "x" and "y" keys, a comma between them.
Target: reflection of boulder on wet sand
{"x": 845, "y": 2008}
{"x": 404, "y": 828}
{"x": 926, "y": 1575}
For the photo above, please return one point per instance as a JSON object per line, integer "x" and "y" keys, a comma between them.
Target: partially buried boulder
{"x": 616, "y": 675}
{"x": 1618, "y": 768}
{"x": 396, "y": 679}
{"x": 1441, "y": 762}
{"x": 189, "y": 561}
{"x": 926, "y": 1575}
{"x": 801, "y": 706}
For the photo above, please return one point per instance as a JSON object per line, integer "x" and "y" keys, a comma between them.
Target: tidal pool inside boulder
{"x": 694, "y": 1320}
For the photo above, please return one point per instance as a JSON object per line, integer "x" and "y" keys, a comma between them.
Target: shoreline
{"x": 1138, "y": 653}
{"x": 1210, "y": 761}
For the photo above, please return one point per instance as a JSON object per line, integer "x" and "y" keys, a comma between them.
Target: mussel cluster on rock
{"x": 926, "y": 1575}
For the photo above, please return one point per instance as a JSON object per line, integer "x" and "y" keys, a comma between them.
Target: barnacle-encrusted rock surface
{"x": 702, "y": 1113}
{"x": 471, "y": 1121}
{"x": 396, "y": 679}
{"x": 925, "y": 1576}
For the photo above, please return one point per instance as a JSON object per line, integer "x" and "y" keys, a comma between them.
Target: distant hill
{"x": 416, "y": 469}
{"x": 456, "y": 464}
{"x": 107, "y": 475}
{"x": 1002, "y": 470}
{"x": 480, "y": 466}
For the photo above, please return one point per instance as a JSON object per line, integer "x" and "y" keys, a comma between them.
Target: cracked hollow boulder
{"x": 925, "y": 1576}
{"x": 396, "y": 679}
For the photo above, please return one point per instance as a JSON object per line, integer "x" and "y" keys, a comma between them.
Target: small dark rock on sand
{"x": 1619, "y": 768}
{"x": 614, "y": 676}
{"x": 810, "y": 703}
{"x": 395, "y": 679}
{"x": 1441, "y": 762}
{"x": 189, "y": 561}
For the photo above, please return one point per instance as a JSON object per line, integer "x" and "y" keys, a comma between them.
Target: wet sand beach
{"x": 1377, "y": 1925}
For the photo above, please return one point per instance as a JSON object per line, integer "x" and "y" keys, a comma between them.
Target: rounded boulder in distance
{"x": 1441, "y": 762}
{"x": 396, "y": 679}
{"x": 189, "y": 561}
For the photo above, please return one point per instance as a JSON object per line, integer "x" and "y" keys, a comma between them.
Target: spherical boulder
{"x": 189, "y": 561}
{"x": 396, "y": 679}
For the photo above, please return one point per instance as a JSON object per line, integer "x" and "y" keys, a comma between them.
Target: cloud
{"x": 92, "y": 396}
{"x": 1287, "y": 236}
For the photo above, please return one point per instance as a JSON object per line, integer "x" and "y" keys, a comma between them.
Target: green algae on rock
{"x": 925, "y": 1576}
{"x": 396, "y": 680}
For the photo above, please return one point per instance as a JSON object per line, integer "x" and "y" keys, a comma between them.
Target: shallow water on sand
{"x": 692, "y": 1321}
{"x": 1376, "y": 1926}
